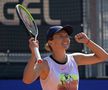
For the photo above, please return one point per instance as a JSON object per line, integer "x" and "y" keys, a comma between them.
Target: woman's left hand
{"x": 81, "y": 38}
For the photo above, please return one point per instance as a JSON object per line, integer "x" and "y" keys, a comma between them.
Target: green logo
{"x": 67, "y": 78}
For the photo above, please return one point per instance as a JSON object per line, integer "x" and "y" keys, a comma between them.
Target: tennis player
{"x": 59, "y": 71}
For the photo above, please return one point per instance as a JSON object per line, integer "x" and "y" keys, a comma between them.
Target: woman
{"x": 59, "y": 71}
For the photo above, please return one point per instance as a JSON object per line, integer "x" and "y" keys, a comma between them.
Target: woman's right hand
{"x": 32, "y": 44}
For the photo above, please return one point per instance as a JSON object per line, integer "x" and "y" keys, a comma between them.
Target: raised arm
{"x": 98, "y": 53}
{"x": 30, "y": 73}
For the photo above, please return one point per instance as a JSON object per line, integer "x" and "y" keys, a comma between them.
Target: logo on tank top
{"x": 68, "y": 82}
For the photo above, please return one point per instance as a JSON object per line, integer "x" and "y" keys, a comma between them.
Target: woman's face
{"x": 60, "y": 40}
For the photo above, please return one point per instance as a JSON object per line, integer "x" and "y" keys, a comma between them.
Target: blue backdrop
{"x": 83, "y": 85}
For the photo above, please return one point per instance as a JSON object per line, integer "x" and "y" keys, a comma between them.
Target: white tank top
{"x": 61, "y": 76}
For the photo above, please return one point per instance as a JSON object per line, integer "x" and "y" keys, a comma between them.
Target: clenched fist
{"x": 32, "y": 44}
{"x": 81, "y": 38}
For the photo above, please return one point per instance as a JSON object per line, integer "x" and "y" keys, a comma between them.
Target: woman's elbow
{"x": 105, "y": 57}
{"x": 26, "y": 81}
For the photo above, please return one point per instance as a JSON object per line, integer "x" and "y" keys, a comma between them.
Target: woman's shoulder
{"x": 45, "y": 69}
{"x": 77, "y": 55}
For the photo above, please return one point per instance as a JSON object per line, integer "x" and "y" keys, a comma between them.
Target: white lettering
{"x": 3, "y": 19}
{"x": 33, "y": 10}
{"x": 14, "y": 20}
{"x": 47, "y": 15}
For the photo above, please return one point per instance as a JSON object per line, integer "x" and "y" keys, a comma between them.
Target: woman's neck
{"x": 60, "y": 57}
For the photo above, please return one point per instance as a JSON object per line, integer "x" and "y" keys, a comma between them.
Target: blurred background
{"x": 89, "y": 16}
